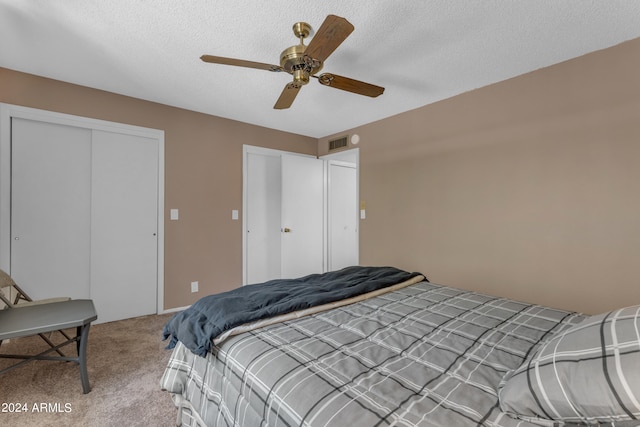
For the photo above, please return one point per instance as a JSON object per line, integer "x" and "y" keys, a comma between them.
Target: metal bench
{"x": 43, "y": 318}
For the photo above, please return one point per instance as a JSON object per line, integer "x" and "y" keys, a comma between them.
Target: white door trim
{"x": 7, "y": 111}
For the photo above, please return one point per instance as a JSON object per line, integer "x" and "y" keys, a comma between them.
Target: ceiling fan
{"x": 304, "y": 62}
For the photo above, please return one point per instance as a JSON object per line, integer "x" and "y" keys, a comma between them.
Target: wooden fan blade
{"x": 240, "y": 63}
{"x": 333, "y": 31}
{"x": 287, "y": 96}
{"x": 350, "y": 85}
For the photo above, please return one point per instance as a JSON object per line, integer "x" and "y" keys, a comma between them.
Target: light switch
{"x": 363, "y": 214}
{"x": 174, "y": 214}
{"x": 234, "y": 214}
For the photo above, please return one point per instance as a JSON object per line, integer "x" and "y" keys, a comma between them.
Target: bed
{"x": 404, "y": 353}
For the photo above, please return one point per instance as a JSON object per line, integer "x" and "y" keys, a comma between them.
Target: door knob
{"x": 287, "y": 230}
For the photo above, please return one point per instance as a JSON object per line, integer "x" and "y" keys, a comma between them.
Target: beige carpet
{"x": 125, "y": 361}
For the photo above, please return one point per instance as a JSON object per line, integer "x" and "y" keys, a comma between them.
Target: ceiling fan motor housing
{"x": 293, "y": 60}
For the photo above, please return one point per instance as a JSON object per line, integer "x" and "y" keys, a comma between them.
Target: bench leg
{"x": 83, "y": 334}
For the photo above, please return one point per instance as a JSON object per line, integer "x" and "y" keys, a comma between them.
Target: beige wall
{"x": 203, "y": 174}
{"x": 529, "y": 188}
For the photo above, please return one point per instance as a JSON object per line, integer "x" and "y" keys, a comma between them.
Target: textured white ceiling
{"x": 421, "y": 51}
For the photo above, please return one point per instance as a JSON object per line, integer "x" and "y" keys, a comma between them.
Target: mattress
{"x": 421, "y": 355}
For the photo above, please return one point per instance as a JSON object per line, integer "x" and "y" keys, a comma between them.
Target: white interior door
{"x": 50, "y": 208}
{"x": 302, "y": 216}
{"x": 343, "y": 215}
{"x": 124, "y": 226}
{"x": 263, "y": 213}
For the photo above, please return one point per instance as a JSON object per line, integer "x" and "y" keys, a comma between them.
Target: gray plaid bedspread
{"x": 424, "y": 355}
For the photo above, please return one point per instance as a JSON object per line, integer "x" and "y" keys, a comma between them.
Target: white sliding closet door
{"x": 124, "y": 204}
{"x": 50, "y": 208}
{"x": 80, "y": 210}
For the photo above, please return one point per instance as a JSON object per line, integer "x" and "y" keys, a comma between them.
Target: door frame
{"x": 7, "y": 111}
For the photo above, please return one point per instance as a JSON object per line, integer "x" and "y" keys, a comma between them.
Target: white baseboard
{"x": 174, "y": 310}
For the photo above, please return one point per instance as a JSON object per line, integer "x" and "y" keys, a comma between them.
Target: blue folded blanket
{"x": 212, "y": 315}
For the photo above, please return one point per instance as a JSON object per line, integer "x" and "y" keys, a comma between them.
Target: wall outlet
{"x": 194, "y": 287}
